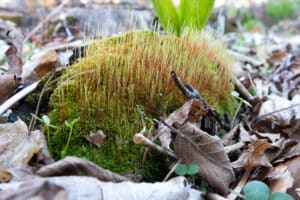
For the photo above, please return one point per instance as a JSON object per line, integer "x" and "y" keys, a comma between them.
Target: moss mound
{"x": 123, "y": 79}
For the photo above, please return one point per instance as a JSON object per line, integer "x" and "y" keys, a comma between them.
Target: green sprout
{"x": 258, "y": 190}
{"x": 47, "y": 123}
{"x": 192, "y": 15}
{"x": 70, "y": 126}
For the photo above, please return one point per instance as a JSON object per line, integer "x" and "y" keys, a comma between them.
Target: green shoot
{"x": 70, "y": 126}
{"x": 191, "y": 16}
{"x": 47, "y": 123}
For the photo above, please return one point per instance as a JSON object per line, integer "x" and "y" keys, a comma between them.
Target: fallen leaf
{"x": 254, "y": 156}
{"x": 35, "y": 189}
{"x": 280, "y": 179}
{"x": 79, "y": 167}
{"x": 208, "y": 153}
{"x": 5, "y": 176}
{"x": 21, "y": 148}
{"x": 96, "y": 138}
{"x": 191, "y": 111}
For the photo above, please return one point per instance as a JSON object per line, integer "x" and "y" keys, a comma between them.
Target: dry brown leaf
{"x": 35, "y": 189}
{"x": 191, "y": 111}
{"x": 280, "y": 179}
{"x": 96, "y": 138}
{"x": 274, "y": 115}
{"x": 294, "y": 168}
{"x": 80, "y": 167}
{"x": 13, "y": 78}
{"x": 208, "y": 153}
{"x": 254, "y": 156}
{"x": 21, "y": 147}
{"x": 5, "y": 176}
{"x": 39, "y": 65}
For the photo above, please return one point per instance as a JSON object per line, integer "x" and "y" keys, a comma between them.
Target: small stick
{"x": 45, "y": 20}
{"x": 140, "y": 139}
{"x": 244, "y": 58}
{"x": 243, "y": 91}
{"x": 237, "y": 190}
{"x": 33, "y": 120}
{"x": 12, "y": 100}
{"x": 171, "y": 171}
{"x": 234, "y": 147}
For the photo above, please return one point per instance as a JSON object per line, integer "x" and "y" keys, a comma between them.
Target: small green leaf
{"x": 281, "y": 196}
{"x": 181, "y": 169}
{"x": 192, "y": 169}
{"x": 256, "y": 190}
{"x": 67, "y": 124}
{"x": 46, "y": 119}
{"x": 235, "y": 93}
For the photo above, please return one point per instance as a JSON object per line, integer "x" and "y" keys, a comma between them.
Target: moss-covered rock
{"x": 123, "y": 79}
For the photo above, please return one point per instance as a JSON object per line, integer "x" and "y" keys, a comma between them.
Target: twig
{"x": 234, "y": 147}
{"x": 244, "y": 58}
{"x": 12, "y": 100}
{"x": 171, "y": 171}
{"x": 140, "y": 139}
{"x": 243, "y": 91}
{"x": 33, "y": 120}
{"x": 277, "y": 111}
{"x": 237, "y": 190}
{"x": 45, "y": 20}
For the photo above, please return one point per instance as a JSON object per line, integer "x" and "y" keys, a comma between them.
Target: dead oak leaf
{"x": 191, "y": 111}
{"x": 280, "y": 179}
{"x": 96, "y": 138}
{"x": 254, "y": 156}
{"x": 208, "y": 153}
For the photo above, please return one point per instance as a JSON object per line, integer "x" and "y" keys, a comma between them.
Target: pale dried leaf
{"x": 89, "y": 188}
{"x": 80, "y": 167}
{"x": 254, "y": 156}
{"x": 39, "y": 65}
{"x": 208, "y": 153}
{"x": 282, "y": 118}
{"x": 191, "y": 111}
{"x": 21, "y": 148}
{"x": 8, "y": 86}
{"x": 96, "y": 138}
{"x": 5, "y": 176}
{"x": 280, "y": 179}
{"x": 35, "y": 189}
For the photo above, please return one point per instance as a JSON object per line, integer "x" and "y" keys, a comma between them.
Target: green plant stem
{"x": 48, "y": 137}
{"x": 236, "y": 113}
{"x": 64, "y": 151}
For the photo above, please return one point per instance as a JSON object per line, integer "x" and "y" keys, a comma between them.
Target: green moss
{"x": 117, "y": 74}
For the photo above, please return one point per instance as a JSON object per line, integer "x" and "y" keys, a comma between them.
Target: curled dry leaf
{"x": 89, "y": 188}
{"x": 35, "y": 189}
{"x": 191, "y": 111}
{"x": 208, "y": 153}
{"x": 5, "y": 176}
{"x": 278, "y": 113}
{"x": 280, "y": 179}
{"x": 21, "y": 148}
{"x": 254, "y": 156}
{"x": 12, "y": 79}
{"x": 80, "y": 167}
{"x": 96, "y": 138}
